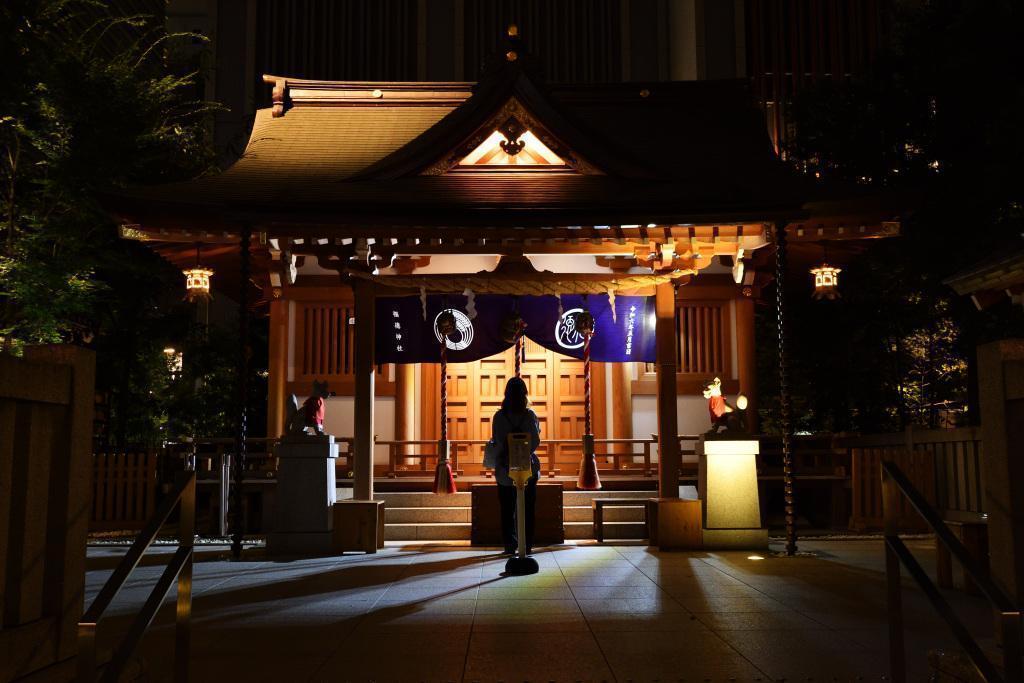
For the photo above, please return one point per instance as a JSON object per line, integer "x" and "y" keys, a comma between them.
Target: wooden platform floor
{"x": 418, "y": 612}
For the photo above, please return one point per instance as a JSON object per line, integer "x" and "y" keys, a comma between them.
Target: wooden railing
{"x": 464, "y": 452}
{"x": 179, "y": 568}
{"x": 126, "y": 485}
{"x": 213, "y": 462}
{"x": 944, "y": 464}
{"x": 897, "y": 491}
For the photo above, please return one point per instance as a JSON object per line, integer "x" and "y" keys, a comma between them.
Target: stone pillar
{"x": 278, "y": 367}
{"x": 362, "y": 447}
{"x": 747, "y": 358}
{"x": 669, "y": 458}
{"x": 1001, "y": 380}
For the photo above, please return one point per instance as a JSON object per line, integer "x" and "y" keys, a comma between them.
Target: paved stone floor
{"x": 593, "y": 613}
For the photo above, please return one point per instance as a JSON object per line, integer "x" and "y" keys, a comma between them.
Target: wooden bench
{"x": 599, "y": 504}
{"x": 971, "y": 528}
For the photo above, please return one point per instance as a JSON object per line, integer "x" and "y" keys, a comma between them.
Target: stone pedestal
{"x": 727, "y": 473}
{"x": 304, "y": 520}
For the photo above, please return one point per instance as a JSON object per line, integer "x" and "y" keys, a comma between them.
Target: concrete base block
{"x": 678, "y": 524}
{"x": 735, "y": 539}
{"x": 358, "y": 525}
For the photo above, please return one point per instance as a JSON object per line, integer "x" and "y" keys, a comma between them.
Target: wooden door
{"x": 475, "y": 391}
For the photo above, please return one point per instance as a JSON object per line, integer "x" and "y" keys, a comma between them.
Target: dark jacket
{"x": 505, "y": 423}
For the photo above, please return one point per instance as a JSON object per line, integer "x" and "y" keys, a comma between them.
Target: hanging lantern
{"x": 826, "y": 282}
{"x": 197, "y": 281}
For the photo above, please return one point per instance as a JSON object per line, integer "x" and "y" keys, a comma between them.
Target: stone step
{"x": 575, "y": 531}
{"x": 413, "y": 499}
{"x": 424, "y": 516}
{"x": 443, "y": 531}
{"x": 420, "y": 515}
{"x": 584, "y": 497}
{"x": 585, "y": 513}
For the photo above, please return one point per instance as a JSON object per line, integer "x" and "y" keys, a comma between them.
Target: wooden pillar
{"x": 278, "y": 367}
{"x": 600, "y": 404}
{"x": 622, "y": 405}
{"x": 405, "y": 404}
{"x": 669, "y": 458}
{"x": 1001, "y": 379}
{"x": 362, "y": 447}
{"x": 747, "y": 360}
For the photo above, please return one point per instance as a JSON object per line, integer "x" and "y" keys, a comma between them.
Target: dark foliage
{"x": 94, "y": 101}
{"x": 939, "y": 122}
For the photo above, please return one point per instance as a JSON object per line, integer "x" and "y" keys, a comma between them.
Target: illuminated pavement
{"x": 609, "y": 613}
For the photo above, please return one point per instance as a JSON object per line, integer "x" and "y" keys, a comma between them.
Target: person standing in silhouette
{"x": 515, "y": 416}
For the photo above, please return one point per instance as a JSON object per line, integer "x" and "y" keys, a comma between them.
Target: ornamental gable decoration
{"x": 512, "y": 144}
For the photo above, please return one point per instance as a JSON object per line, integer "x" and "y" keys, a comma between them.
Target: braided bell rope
{"x": 519, "y": 353}
{"x": 444, "y": 387}
{"x": 586, "y": 384}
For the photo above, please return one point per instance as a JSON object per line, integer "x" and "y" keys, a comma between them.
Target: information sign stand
{"x": 519, "y": 471}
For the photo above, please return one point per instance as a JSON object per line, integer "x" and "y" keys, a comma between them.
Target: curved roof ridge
{"x": 501, "y": 86}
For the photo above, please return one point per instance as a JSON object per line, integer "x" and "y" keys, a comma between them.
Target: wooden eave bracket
{"x": 278, "y": 96}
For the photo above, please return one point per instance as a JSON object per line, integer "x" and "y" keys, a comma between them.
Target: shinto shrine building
{"x": 360, "y": 211}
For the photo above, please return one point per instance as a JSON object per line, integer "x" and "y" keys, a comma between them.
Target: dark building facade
{"x": 780, "y": 45}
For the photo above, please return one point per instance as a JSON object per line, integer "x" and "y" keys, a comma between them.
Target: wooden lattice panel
{"x": 325, "y": 341}
{"x": 328, "y": 340}
{"x": 702, "y": 329}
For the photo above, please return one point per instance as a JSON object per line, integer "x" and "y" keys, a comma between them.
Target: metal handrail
{"x": 180, "y": 568}
{"x": 895, "y": 482}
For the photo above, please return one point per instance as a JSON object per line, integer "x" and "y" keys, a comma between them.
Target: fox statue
{"x": 725, "y": 417}
{"x": 310, "y": 416}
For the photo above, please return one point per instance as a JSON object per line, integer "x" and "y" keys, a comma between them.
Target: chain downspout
{"x": 238, "y": 463}
{"x": 785, "y": 405}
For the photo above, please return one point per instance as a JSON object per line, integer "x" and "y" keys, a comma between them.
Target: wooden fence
{"x": 124, "y": 490}
{"x": 46, "y": 411}
{"x": 127, "y": 485}
{"x": 944, "y": 464}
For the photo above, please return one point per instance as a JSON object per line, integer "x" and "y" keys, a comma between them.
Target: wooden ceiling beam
{"x": 509, "y": 248}
{"x": 616, "y": 240}
{"x": 580, "y": 233}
